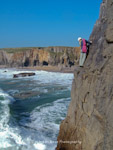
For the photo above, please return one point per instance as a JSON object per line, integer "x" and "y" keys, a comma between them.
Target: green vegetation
{"x": 49, "y": 49}
{"x": 71, "y": 56}
{"x": 53, "y": 54}
{"x": 20, "y": 49}
{"x": 15, "y": 50}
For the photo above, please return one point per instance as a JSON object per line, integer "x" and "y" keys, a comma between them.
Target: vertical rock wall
{"x": 29, "y": 57}
{"x": 89, "y": 121}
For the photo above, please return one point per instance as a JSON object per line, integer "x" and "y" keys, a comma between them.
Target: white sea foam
{"x": 45, "y": 119}
{"x": 44, "y": 122}
{"x": 13, "y": 91}
{"x": 54, "y": 77}
{"x": 8, "y": 73}
{"x": 41, "y": 76}
{"x": 7, "y": 133}
{"x": 48, "y": 113}
{"x": 39, "y": 146}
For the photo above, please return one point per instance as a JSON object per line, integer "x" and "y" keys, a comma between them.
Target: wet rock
{"x": 23, "y": 75}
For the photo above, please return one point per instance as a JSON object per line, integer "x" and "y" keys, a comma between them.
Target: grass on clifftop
{"x": 22, "y": 49}
{"x": 14, "y": 50}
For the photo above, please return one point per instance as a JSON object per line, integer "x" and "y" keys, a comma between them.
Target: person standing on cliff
{"x": 84, "y": 45}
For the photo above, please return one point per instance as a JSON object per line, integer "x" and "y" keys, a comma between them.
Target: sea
{"x": 32, "y": 108}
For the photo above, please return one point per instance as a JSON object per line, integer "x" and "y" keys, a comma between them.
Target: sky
{"x": 43, "y": 23}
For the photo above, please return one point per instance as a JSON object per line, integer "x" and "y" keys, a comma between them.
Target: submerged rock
{"x": 26, "y": 95}
{"x": 89, "y": 121}
{"x": 23, "y": 75}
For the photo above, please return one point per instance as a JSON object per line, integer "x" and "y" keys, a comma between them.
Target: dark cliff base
{"x": 45, "y": 68}
{"x": 53, "y": 69}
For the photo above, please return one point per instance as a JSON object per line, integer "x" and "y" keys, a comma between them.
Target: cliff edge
{"x": 89, "y": 121}
{"x": 61, "y": 57}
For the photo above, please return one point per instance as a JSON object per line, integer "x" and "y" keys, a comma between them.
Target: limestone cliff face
{"x": 26, "y": 57}
{"x": 89, "y": 121}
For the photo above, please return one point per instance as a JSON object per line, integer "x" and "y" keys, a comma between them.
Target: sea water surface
{"x": 32, "y": 108}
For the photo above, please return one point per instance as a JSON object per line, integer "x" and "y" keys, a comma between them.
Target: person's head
{"x": 79, "y": 39}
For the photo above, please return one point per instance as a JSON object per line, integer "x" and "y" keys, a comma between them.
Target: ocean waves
{"x": 41, "y": 76}
{"x": 32, "y": 108}
{"x": 8, "y": 137}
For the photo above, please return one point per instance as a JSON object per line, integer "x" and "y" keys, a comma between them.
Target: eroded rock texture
{"x": 30, "y": 57}
{"x": 90, "y": 115}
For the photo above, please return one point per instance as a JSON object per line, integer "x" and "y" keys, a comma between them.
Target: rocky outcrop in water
{"x": 89, "y": 121}
{"x": 30, "y": 57}
{"x": 23, "y": 74}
